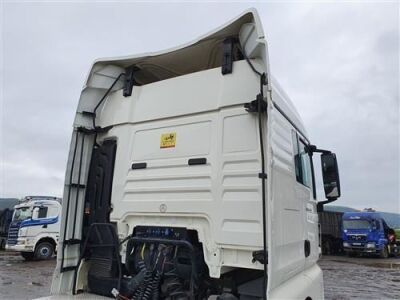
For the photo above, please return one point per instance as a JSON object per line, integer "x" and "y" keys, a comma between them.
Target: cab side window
{"x": 42, "y": 212}
{"x": 52, "y": 212}
{"x": 302, "y": 161}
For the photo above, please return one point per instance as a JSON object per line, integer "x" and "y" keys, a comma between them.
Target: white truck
{"x": 190, "y": 176}
{"x": 35, "y": 227}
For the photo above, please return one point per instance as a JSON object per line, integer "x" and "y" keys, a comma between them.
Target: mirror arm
{"x": 320, "y": 205}
{"x": 313, "y": 149}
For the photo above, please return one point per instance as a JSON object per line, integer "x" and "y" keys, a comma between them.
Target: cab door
{"x": 38, "y": 224}
{"x": 285, "y": 206}
{"x": 304, "y": 193}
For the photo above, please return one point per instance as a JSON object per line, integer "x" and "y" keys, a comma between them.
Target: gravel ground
{"x": 20, "y": 279}
{"x": 361, "y": 278}
{"x": 344, "y": 278}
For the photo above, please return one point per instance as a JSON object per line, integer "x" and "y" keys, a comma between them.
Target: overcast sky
{"x": 338, "y": 62}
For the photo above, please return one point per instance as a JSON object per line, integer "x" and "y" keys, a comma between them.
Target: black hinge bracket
{"x": 227, "y": 58}
{"x": 72, "y": 242}
{"x": 253, "y": 106}
{"x": 69, "y": 268}
{"x": 129, "y": 80}
{"x": 260, "y": 256}
{"x": 262, "y": 175}
{"x": 98, "y": 129}
{"x": 77, "y": 185}
{"x": 88, "y": 113}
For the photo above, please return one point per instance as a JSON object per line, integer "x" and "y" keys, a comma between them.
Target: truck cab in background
{"x": 367, "y": 232}
{"x": 35, "y": 226}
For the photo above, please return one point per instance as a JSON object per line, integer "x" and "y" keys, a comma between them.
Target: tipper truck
{"x": 331, "y": 232}
{"x": 190, "y": 176}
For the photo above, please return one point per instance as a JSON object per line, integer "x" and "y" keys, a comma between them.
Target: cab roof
{"x": 201, "y": 54}
{"x": 361, "y": 215}
{"x": 198, "y": 55}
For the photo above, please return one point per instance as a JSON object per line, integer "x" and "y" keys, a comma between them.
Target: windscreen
{"x": 356, "y": 224}
{"x": 22, "y": 213}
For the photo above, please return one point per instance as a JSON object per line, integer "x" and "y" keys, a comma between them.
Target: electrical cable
{"x": 104, "y": 97}
{"x": 263, "y": 185}
{"x": 99, "y": 103}
{"x": 262, "y": 175}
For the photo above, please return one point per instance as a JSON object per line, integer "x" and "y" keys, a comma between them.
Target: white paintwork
{"x": 222, "y": 199}
{"x": 31, "y": 234}
{"x": 84, "y": 296}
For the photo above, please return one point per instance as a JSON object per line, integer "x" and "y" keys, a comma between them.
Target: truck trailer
{"x": 331, "y": 232}
{"x": 190, "y": 176}
{"x": 6, "y": 213}
{"x": 35, "y": 227}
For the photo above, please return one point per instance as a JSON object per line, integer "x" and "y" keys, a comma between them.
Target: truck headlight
{"x": 346, "y": 244}
{"x": 22, "y": 231}
{"x": 21, "y": 241}
{"x": 370, "y": 245}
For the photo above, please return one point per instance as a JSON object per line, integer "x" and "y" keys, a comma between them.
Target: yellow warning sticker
{"x": 168, "y": 140}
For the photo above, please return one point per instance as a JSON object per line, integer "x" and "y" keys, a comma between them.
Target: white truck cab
{"x": 35, "y": 227}
{"x": 190, "y": 176}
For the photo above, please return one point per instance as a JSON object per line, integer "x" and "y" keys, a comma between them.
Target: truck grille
{"x": 357, "y": 237}
{"x": 13, "y": 234}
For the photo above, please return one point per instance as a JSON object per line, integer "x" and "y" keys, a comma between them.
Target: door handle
{"x": 44, "y": 226}
{"x": 307, "y": 248}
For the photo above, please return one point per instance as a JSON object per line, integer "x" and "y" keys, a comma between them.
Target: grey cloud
{"x": 339, "y": 62}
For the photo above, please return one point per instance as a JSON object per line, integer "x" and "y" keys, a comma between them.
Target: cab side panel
{"x": 286, "y": 226}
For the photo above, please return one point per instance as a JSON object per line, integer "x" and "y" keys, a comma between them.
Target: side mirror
{"x": 330, "y": 175}
{"x": 35, "y": 213}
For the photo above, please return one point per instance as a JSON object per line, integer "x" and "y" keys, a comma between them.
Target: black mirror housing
{"x": 330, "y": 175}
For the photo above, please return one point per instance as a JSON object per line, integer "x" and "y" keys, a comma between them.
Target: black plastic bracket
{"x": 262, "y": 175}
{"x": 252, "y": 106}
{"x": 307, "y": 248}
{"x": 129, "y": 80}
{"x": 313, "y": 149}
{"x": 93, "y": 131}
{"x": 197, "y": 161}
{"x": 227, "y": 58}
{"x": 137, "y": 166}
{"x": 67, "y": 269}
{"x": 260, "y": 256}
{"x": 72, "y": 242}
{"x": 77, "y": 185}
{"x": 88, "y": 113}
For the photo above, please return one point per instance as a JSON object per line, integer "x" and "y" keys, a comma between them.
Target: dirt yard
{"x": 344, "y": 278}
{"x": 361, "y": 278}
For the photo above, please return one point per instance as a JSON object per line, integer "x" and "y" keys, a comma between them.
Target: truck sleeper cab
{"x": 367, "y": 233}
{"x": 184, "y": 170}
{"x": 35, "y": 226}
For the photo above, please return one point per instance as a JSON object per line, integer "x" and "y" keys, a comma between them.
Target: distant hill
{"x": 336, "y": 208}
{"x": 8, "y": 203}
{"x": 392, "y": 219}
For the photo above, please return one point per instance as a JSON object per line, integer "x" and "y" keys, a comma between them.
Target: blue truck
{"x": 367, "y": 232}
